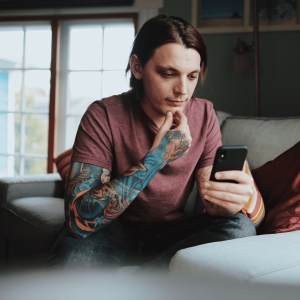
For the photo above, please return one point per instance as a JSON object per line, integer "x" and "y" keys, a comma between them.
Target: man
{"x": 135, "y": 159}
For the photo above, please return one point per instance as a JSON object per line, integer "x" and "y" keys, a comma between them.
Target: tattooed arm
{"x": 203, "y": 176}
{"x": 93, "y": 201}
{"x": 223, "y": 198}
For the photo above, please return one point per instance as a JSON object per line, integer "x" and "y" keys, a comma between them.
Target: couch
{"x": 32, "y": 214}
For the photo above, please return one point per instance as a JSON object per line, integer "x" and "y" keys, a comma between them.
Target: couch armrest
{"x": 48, "y": 185}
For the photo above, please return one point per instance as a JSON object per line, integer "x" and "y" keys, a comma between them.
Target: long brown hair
{"x": 159, "y": 31}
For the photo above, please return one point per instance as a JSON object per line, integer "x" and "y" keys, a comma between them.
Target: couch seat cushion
{"x": 272, "y": 258}
{"x": 36, "y": 220}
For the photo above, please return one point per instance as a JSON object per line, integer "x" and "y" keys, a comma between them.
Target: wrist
{"x": 154, "y": 158}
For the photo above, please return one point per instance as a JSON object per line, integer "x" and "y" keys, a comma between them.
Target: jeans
{"x": 123, "y": 242}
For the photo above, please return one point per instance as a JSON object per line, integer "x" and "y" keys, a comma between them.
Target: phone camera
{"x": 222, "y": 155}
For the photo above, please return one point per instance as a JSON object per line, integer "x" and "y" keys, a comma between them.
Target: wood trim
{"x": 133, "y": 16}
{"x": 194, "y": 16}
{"x": 271, "y": 28}
{"x": 53, "y": 96}
{"x": 256, "y": 50}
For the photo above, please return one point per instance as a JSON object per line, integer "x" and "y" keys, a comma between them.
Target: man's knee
{"x": 69, "y": 252}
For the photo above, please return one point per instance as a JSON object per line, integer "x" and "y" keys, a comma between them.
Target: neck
{"x": 157, "y": 117}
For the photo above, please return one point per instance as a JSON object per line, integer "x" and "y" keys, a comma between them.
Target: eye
{"x": 192, "y": 77}
{"x": 168, "y": 75}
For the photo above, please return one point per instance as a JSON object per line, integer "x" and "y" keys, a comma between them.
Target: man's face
{"x": 170, "y": 77}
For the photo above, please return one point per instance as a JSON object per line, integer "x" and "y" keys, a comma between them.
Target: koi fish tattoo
{"x": 93, "y": 201}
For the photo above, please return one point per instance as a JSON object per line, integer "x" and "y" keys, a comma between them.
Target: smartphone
{"x": 228, "y": 158}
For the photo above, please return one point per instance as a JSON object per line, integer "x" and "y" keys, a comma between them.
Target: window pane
{"x": 9, "y": 166}
{"x": 35, "y": 166}
{"x": 37, "y": 90}
{"x": 38, "y": 47}
{"x": 117, "y": 46}
{"x": 10, "y": 90}
{"x": 10, "y": 126}
{"x": 71, "y": 130}
{"x": 17, "y": 166}
{"x": 84, "y": 88}
{"x": 36, "y": 133}
{"x": 86, "y": 48}
{"x": 11, "y": 50}
{"x": 114, "y": 83}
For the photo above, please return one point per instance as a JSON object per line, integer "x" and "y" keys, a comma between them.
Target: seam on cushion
{"x": 30, "y": 182}
{"x": 274, "y": 271}
{"x": 27, "y": 221}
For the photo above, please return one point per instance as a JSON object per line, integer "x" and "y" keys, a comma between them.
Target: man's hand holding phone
{"x": 223, "y": 197}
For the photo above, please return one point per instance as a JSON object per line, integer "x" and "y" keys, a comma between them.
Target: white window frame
{"x": 62, "y": 113}
{"x": 22, "y": 155}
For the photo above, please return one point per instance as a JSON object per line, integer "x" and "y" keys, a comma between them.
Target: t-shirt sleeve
{"x": 213, "y": 139}
{"x": 93, "y": 143}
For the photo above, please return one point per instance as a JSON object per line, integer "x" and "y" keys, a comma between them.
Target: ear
{"x": 136, "y": 67}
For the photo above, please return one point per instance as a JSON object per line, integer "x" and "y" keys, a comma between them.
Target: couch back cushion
{"x": 266, "y": 138}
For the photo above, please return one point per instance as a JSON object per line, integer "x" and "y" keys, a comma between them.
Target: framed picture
{"x": 217, "y": 13}
{"x": 225, "y": 16}
{"x": 277, "y": 12}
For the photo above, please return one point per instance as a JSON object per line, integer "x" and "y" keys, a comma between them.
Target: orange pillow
{"x": 63, "y": 164}
{"x": 254, "y": 208}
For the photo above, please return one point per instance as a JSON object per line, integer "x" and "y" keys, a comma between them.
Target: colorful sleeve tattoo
{"x": 92, "y": 201}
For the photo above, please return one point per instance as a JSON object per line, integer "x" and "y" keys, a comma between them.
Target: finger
{"x": 239, "y": 189}
{"x": 176, "y": 120}
{"x": 182, "y": 121}
{"x": 223, "y": 204}
{"x": 227, "y": 197}
{"x": 238, "y": 176}
{"x": 167, "y": 123}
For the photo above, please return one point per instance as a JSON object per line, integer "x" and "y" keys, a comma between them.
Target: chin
{"x": 174, "y": 109}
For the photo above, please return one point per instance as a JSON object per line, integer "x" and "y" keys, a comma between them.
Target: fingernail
{"x": 169, "y": 114}
{"x": 204, "y": 191}
{"x": 206, "y": 184}
{"x": 218, "y": 175}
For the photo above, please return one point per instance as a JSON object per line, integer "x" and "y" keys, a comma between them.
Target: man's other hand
{"x": 229, "y": 197}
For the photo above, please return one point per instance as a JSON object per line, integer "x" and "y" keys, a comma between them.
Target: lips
{"x": 176, "y": 101}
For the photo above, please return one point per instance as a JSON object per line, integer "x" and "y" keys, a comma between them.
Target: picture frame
{"x": 267, "y": 21}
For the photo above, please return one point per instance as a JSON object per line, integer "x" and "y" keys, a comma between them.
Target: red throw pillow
{"x": 279, "y": 184}
{"x": 63, "y": 164}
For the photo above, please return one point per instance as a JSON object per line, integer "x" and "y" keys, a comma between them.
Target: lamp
{"x": 242, "y": 58}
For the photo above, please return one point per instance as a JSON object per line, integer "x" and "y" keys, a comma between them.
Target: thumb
{"x": 167, "y": 123}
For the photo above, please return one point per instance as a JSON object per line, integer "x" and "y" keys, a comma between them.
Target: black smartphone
{"x": 228, "y": 158}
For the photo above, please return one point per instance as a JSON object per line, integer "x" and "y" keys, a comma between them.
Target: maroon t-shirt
{"x": 115, "y": 133}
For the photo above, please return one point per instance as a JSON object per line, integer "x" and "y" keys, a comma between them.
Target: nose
{"x": 180, "y": 87}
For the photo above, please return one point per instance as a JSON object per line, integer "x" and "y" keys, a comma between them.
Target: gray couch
{"x": 32, "y": 214}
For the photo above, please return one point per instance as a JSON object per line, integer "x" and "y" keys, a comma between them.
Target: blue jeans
{"x": 123, "y": 242}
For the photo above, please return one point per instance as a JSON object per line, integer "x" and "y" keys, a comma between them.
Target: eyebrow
{"x": 161, "y": 68}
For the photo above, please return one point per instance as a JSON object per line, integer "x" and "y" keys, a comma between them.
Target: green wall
{"x": 235, "y": 92}
{"x": 178, "y": 8}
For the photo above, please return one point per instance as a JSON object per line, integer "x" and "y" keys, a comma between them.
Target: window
{"x": 24, "y": 98}
{"x": 93, "y": 55}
